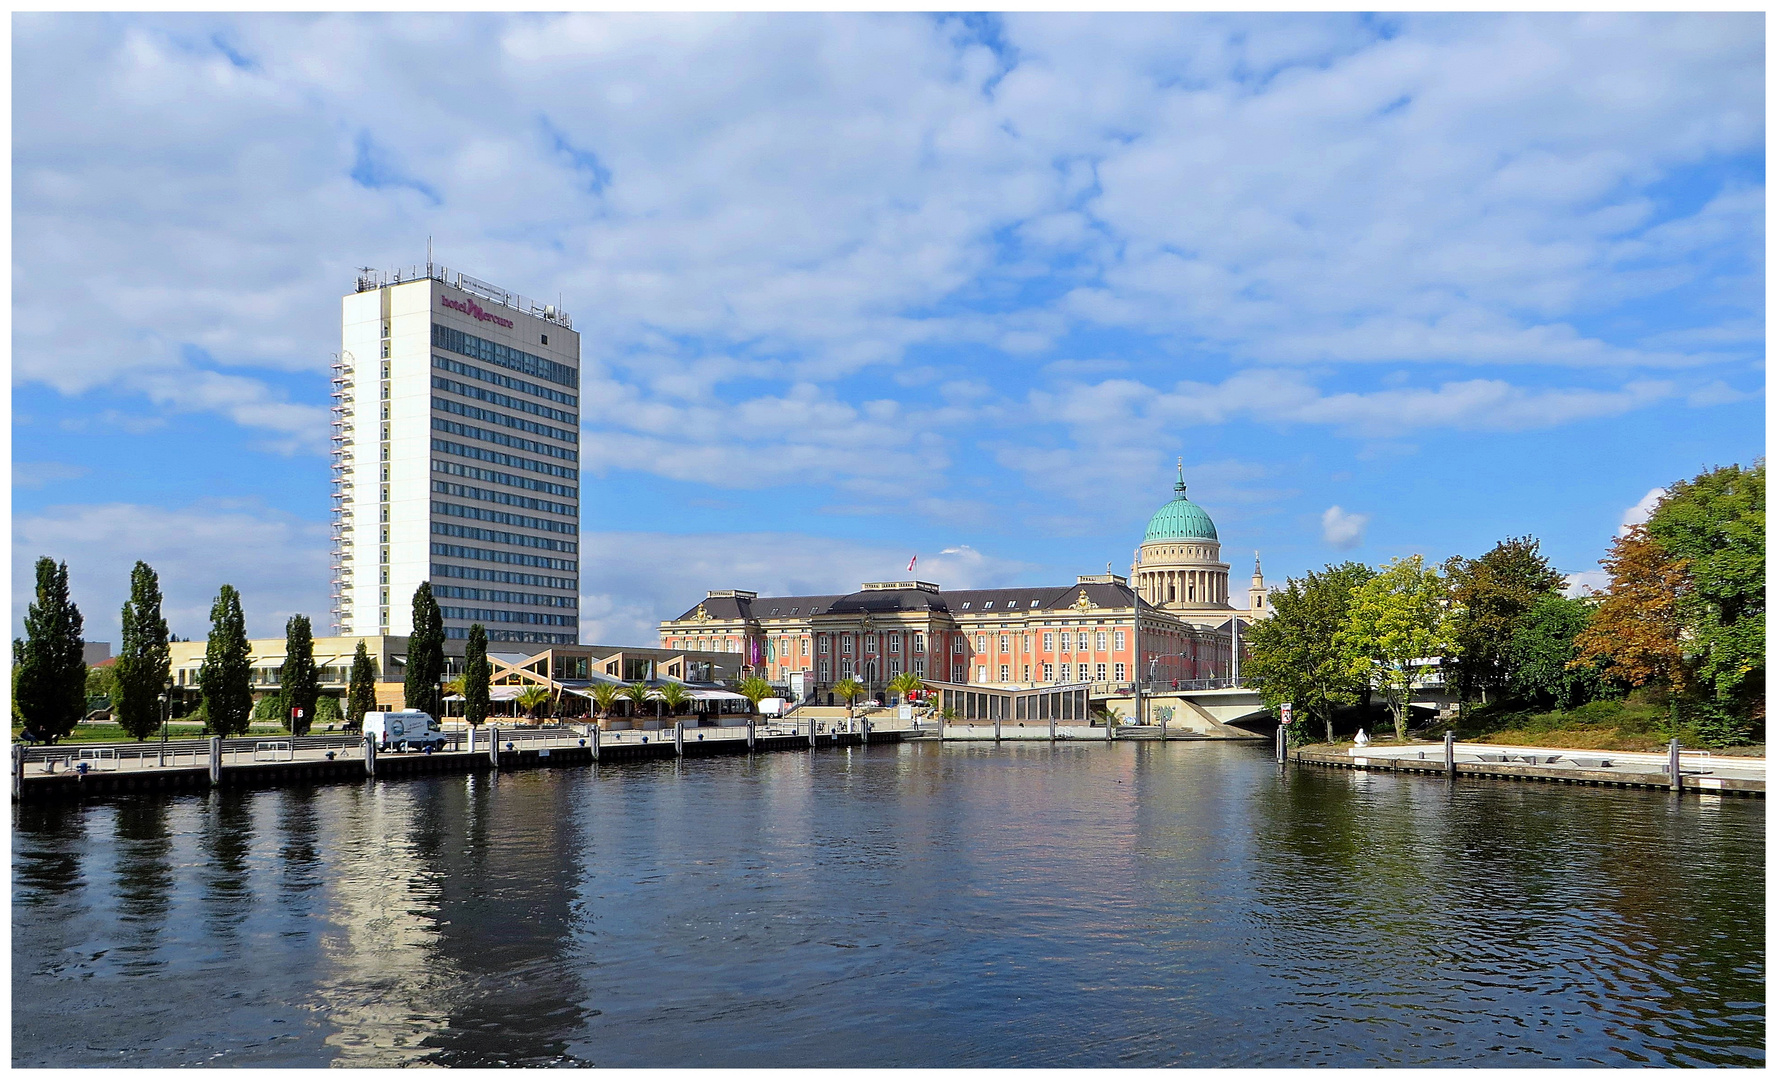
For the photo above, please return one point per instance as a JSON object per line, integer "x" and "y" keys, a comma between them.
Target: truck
{"x": 399, "y": 730}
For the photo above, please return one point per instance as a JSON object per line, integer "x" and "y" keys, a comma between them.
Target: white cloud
{"x": 1641, "y": 511}
{"x": 1582, "y": 582}
{"x": 1342, "y": 529}
{"x": 37, "y": 474}
{"x": 278, "y": 563}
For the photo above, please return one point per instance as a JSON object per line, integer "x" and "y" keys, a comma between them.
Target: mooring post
{"x": 593, "y": 731}
{"x": 996, "y": 729}
{"x": 1672, "y": 767}
{"x": 1052, "y": 728}
{"x": 1110, "y": 726}
{"x": 864, "y": 731}
{"x": 1450, "y": 754}
{"x": 18, "y": 771}
{"x": 471, "y": 739}
{"x": 811, "y": 733}
{"x": 679, "y": 738}
{"x": 752, "y": 732}
{"x": 370, "y": 755}
{"x": 216, "y": 760}
{"x": 493, "y": 747}
{"x": 1282, "y": 752}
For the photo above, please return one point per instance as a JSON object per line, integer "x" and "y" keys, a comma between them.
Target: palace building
{"x": 1025, "y": 636}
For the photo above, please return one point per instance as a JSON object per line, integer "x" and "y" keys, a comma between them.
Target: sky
{"x": 857, "y": 288}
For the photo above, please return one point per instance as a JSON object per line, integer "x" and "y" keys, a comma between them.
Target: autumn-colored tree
{"x": 1634, "y": 633}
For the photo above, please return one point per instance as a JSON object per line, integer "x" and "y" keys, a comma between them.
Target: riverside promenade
{"x": 1698, "y": 771}
{"x": 76, "y": 771}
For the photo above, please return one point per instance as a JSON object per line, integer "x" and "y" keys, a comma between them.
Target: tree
{"x": 1540, "y": 654}
{"x": 143, "y": 660}
{"x": 1492, "y": 595}
{"x": 604, "y": 696}
{"x": 675, "y": 696}
{"x": 1397, "y": 630}
{"x": 360, "y": 688}
{"x": 755, "y": 690}
{"x": 1292, "y": 655}
{"x": 849, "y": 691}
{"x": 476, "y": 676}
{"x": 327, "y": 712}
{"x": 1714, "y": 525}
{"x": 101, "y": 682}
{"x": 226, "y": 675}
{"x": 532, "y": 698}
{"x": 51, "y": 692}
{"x": 425, "y": 653}
{"x": 905, "y": 685}
{"x": 639, "y": 694}
{"x": 1633, "y": 632}
{"x": 300, "y": 681}
{"x": 270, "y": 709}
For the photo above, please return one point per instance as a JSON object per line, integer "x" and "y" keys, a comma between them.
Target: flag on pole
{"x": 910, "y": 563}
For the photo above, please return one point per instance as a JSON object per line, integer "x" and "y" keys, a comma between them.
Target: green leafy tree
{"x": 906, "y": 684}
{"x": 425, "y": 653}
{"x": 1541, "y": 653}
{"x": 755, "y": 690}
{"x": 639, "y": 694}
{"x": 270, "y": 709}
{"x": 101, "y": 682}
{"x": 1397, "y": 630}
{"x": 300, "y": 680}
{"x": 51, "y": 692}
{"x": 533, "y": 698}
{"x": 849, "y": 691}
{"x": 226, "y": 675}
{"x": 327, "y": 712}
{"x": 1294, "y": 655}
{"x": 604, "y": 696}
{"x": 360, "y": 688}
{"x": 1492, "y": 595}
{"x": 1714, "y": 524}
{"x": 476, "y": 676}
{"x": 144, "y": 661}
{"x": 675, "y": 696}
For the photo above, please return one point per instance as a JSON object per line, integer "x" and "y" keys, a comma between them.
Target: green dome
{"x": 1180, "y": 519}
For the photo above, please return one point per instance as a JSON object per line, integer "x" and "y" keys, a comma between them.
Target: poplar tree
{"x": 476, "y": 675}
{"x": 143, "y": 659}
{"x": 360, "y": 688}
{"x": 50, "y": 694}
{"x": 226, "y": 677}
{"x": 300, "y": 681}
{"x": 425, "y": 653}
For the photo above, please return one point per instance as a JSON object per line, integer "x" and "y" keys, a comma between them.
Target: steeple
{"x": 1180, "y": 486}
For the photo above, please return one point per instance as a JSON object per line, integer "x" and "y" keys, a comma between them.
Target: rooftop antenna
{"x": 428, "y": 256}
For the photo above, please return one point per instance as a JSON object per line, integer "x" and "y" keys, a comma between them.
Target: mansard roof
{"x": 1021, "y": 599}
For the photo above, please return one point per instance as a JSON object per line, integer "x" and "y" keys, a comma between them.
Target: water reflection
{"x": 1186, "y": 904}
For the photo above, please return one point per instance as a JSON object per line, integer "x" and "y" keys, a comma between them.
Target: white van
{"x": 400, "y": 730}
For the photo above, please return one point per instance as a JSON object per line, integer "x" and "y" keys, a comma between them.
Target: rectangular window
{"x": 845, "y": 669}
{"x": 1067, "y": 671}
{"x": 1119, "y": 637}
{"x": 984, "y": 607}
{"x": 1048, "y": 672}
{"x": 1005, "y": 673}
{"x": 981, "y": 674}
{"x": 1100, "y": 669}
{"x": 823, "y": 641}
{"x": 1120, "y": 673}
{"x": 1100, "y": 640}
{"x": 1049, "y": 642}
{"x": 1081, "y": 639}
{"x": 956, "y": 644}
{"x": 1005, "y": 643}
{"x": 826, "y": 672}
{"x": 919, "y": 643}
{"x": 804, "y": 646}
{"x": 1026, "y": 675}
{"x": 919, "y": 666}
{"x": 980, "y": 643}
{"x": 894, "y": 642}
{"x": 845, "y": 643}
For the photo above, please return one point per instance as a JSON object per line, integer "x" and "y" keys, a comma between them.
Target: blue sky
{"x": 852, "y": 288}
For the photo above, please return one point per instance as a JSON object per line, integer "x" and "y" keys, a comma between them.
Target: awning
{"x": 495, "y": 693}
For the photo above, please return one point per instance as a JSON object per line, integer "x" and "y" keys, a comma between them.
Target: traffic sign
{"x": 1285, "y": 710}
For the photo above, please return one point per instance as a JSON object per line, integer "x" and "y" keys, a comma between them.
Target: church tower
{"x": 1258, "y": 598}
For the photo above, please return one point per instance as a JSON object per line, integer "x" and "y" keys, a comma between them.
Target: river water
{"x": 1139, "y": 904}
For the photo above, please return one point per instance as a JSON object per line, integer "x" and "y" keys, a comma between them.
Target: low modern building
{"x": 1016, "y": 637}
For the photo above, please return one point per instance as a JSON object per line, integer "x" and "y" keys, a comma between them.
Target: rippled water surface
{"x": 1141, "y": 904}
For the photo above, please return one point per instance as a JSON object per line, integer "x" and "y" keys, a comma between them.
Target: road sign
{"x": 1285, "y": 710}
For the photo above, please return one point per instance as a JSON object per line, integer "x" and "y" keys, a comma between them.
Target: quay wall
{"x": 1695, "y": 785}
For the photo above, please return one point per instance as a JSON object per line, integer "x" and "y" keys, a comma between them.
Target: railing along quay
{"x": 80, "y": 770}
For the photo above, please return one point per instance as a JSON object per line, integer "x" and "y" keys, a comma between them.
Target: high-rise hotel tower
{"x": 456, "y": 459}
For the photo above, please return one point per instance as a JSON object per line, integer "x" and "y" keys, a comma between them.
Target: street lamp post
{"x": 166, "y": 716}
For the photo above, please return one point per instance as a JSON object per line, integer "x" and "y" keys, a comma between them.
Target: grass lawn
{"x": 1600, "y": 725}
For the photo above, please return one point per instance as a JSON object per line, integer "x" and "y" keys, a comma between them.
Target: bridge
{"x": 1227, "y": 713}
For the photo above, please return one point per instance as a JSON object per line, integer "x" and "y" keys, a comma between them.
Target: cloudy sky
{"x": 853, "y": 288}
